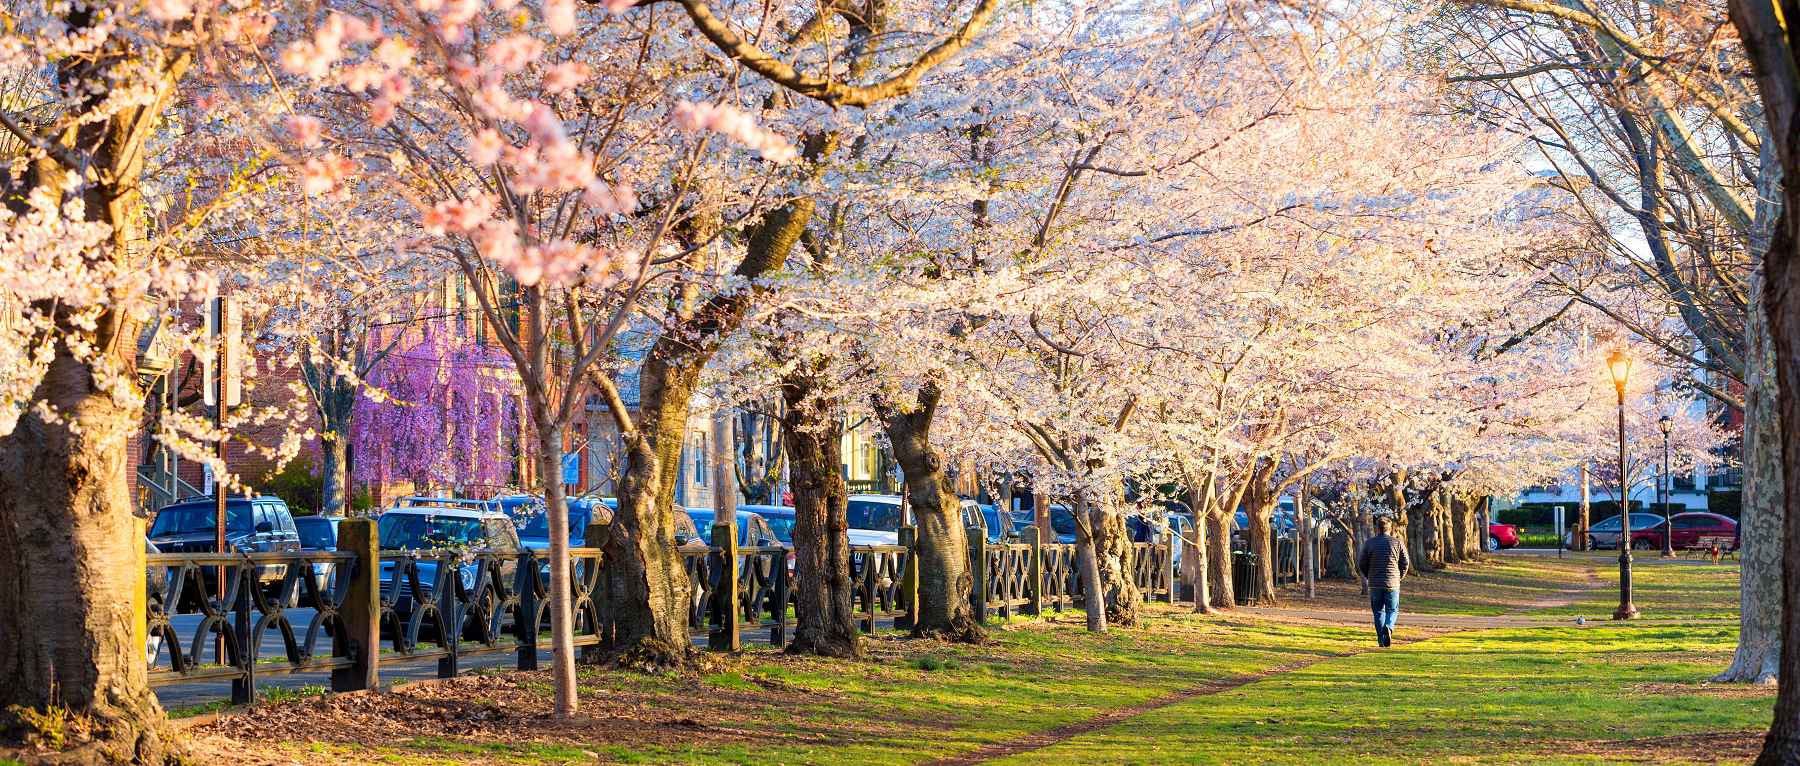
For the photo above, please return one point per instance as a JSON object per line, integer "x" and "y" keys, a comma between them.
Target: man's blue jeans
{"x": 1385, "y": 603}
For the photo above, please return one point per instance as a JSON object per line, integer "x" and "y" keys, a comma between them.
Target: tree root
{"x": 825, "y": 645}
{"x": 653, "y": 655}
{"x": 57, "y": 736}
{"x": 962, "y": 630}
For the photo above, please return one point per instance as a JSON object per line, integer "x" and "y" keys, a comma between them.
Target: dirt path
{"x": 1040, "y": 740}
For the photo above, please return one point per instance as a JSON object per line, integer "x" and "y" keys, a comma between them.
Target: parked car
{"x": 431, "y": 529}
{"x": 873, "y": 519}
{"x": 412, "y": 501}
{"x": 1605, "y": 533}
{"x": 752, "y": 529}
{"x": 252, "y": 524}
{"x": 1691, "y": 529}
{"x": 1502, "y": 536}
{"x": 779, "y": 517}
{"x": 996, "y": 525}
{"x": 318, "y": 533}
{"x": 534, "y": 532}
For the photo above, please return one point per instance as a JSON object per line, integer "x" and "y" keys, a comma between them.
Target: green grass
{"x": 1564, "y": 694}
{"x": 1537, "y": 695}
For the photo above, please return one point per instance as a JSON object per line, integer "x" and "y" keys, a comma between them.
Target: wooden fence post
{"x": 727, "y": 615}
{"x": 359, "y": 631}
{"x": 1034, "y": 571}
{"x": 909, "y": 579}
{"x": 778, "y": 631}
{"x": 1168, "y": 573}
{"x": 978, "y": 571}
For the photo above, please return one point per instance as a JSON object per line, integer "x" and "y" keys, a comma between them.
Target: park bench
{"x": 1715, "y": 547}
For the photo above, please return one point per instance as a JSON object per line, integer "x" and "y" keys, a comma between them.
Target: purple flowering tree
{"x": 438, "y": 413}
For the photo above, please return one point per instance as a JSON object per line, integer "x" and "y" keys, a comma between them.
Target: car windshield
{"x": 783, "y": 526}
{"x": 419, "y": 531}
{"x": 703, "y": 520}
{"x": 868, "y": 514}
{"x": 538, "y": 526}
{"x": 994, "y": 525}
{"x": 1062, "y": 520}
{"x": 315, "y": 533}
{"x": 188, "y": 519}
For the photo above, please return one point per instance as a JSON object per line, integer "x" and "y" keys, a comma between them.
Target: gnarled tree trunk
{"x": 1259, "y": 506}
{"x": 1114, "y": 556}
{"x": 812, "y": 435}
{"x": 1195, "y": 555}
{"x": 943, "y": 546}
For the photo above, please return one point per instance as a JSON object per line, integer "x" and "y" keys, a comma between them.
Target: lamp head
{"x": 1666, "y": 423}
{"x": 1619, "y": 364}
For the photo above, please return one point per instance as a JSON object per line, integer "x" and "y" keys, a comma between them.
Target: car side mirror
{"x": 263, "y": 526}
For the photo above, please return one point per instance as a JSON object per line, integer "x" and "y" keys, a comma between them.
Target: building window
{"x": 699, "y": 453}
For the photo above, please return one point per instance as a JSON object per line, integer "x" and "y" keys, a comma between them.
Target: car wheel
{"x": 1493, "y": 543}
{"x": 1641, "y": 544}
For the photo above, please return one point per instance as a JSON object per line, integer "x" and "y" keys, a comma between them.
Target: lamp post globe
{"x": 1618, "y": 363}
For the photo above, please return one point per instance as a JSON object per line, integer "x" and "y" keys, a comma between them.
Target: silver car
{"x": 1605, "y": 533}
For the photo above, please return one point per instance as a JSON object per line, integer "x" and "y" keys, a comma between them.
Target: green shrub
{"x": 298, "y": 485}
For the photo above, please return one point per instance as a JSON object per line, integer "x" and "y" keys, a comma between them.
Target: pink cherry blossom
{"x": 565, "y": 77}
{"x": 485, "y": 147}
{"x": 170, "y": 10}
{"x": 559, "y": 17}
{"x": 303, "y": 130}
{"x": 515, "y": 52}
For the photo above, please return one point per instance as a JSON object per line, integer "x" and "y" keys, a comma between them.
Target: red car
{"x": 1695, "y": 529}
{"x": 1502, "y": 536}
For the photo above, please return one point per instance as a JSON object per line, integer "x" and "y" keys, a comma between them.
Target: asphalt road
{"x": 191, "y": 693}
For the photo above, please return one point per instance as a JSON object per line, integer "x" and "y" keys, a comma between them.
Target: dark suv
{"x": 252, "y": 524}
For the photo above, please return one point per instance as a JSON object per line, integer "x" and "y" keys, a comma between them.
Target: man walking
{"x": 1382, "y": 563}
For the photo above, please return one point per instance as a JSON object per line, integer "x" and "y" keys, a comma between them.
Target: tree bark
{"x": 334, "y": 473}
{"x": 1115, "y": 560}
{"x": 1218, "y": 558}
{"x": 1579, "y": 538}
{"x": 944, "y": 579}
{"x": 1087, "y": 559}
{"x": 647, "y": 587}
{"x": 1259, "y": 506}
{"x": 562, "y": 629}
{"x": 72, "y": 589}
{"x": 1761, "y": 26}
{"x": 1195, "y": 555}
{"x": 1758, "y": 653}
{"x": 72, "y": 593}
{"x": 812, "y": 436}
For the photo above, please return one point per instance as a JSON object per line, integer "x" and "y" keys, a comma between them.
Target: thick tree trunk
{"x": 1459, "y": 528}
{"x": 1218, "y": 559}
{"x": 1767, "y": 40}
{"x": 944, "y": 579}
{"x": 72, "y": 589}
{"x": 812, "y": 435}
{"x": 1339, "y": 550}
{"x": 647, "y": 587}
{"x": 1782, "y": 302}
{"x": 72, "y": 592}
{"x": 1259, "y": 506}
{"x": 1116, "y": 563}
{"x": 334, "y": 473}
{"x": 1759, "y": 617}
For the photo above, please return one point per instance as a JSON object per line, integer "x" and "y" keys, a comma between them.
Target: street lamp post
{"x": 1620, "y": 366}
{"x": 1663, "y": 488}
